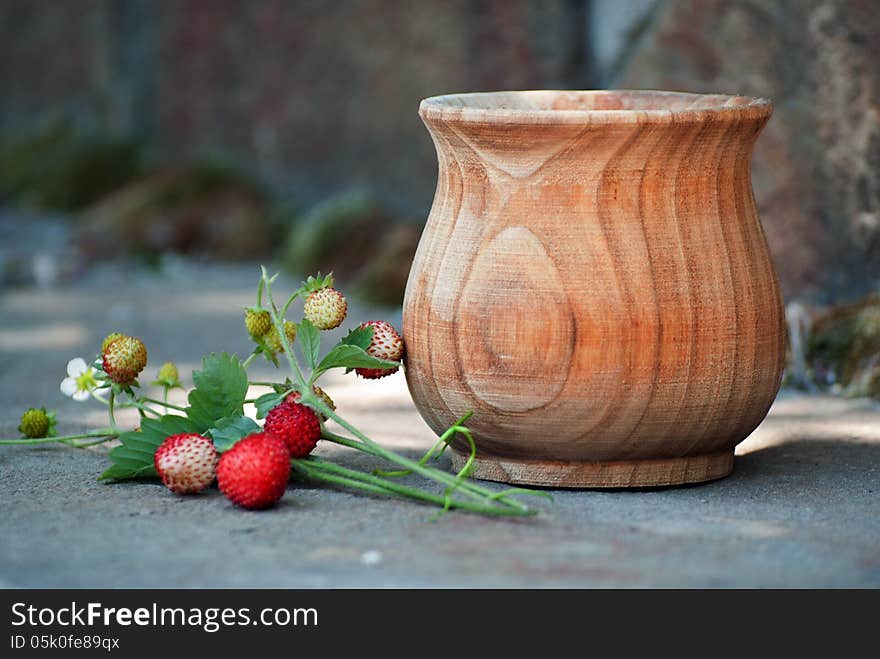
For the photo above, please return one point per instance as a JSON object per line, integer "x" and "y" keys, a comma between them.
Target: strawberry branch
{"x": 472, "y": 497}
{"x": 216, "y": 408}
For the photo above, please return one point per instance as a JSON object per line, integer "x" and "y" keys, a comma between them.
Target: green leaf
{"x": 134, "y": 459}
{"x": 220, "y": 389}
{"x": 350, "y": 356}
{"x": 230, "y": 429}
{"x": 266, "y": 402}
{"x": 309, "y": 342}
{"x": 360, "y": 337}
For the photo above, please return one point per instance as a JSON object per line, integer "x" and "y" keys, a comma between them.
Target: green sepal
{"x": 53, "y": 421}
{"x": 316, "y": 283}
{"x": 267, "y": 401}
{"x": 230, "y": 429}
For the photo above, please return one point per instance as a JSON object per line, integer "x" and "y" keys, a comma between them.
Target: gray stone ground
{"x": 801, "y": 509}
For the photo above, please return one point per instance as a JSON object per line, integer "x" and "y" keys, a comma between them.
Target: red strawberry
{"x": 320, "y": 393}
{"x": 186, "y": 463}
{"x": 386, "y": 344}
{"x": 254, "y": 473}
{"x": 124, "y": 358}
{"x": 297, "y": 425}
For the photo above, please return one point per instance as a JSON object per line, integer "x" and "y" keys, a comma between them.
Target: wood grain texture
{"x": 594, "y": 283}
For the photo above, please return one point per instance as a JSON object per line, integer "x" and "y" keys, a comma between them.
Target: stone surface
{"x": 801, "y": 508}
{"x": 817, "y": 165}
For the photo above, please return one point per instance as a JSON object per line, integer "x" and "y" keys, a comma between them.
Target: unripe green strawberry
{"x": 124, "y": 359}
{"x": 386, "y": 344}
{"x": 257, "y": 321}
{"x": 110, "y": 338}
{"x": 168, "y": 376}
{"x": 37, "y": 423}
{"x": 325, "y": 308}
{"x": 273, "y": 341}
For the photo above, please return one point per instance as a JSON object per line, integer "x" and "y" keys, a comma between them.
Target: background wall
{"x": 312, "y": 98}
{"x": 312, "y": 95}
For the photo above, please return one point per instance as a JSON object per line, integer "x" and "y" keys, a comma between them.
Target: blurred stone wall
{"x": 314, "y": 96}
{"x": 816, "y": 167}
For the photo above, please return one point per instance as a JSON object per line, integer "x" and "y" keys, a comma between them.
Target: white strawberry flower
{"x": 80, "y": 381}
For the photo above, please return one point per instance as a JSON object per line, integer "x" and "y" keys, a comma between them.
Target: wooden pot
{"x": 594, "y": 283}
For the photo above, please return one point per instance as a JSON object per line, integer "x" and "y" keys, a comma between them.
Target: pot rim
{"x": 536, "y": 106}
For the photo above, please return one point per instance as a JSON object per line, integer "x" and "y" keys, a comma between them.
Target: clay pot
{"x": 594, "y": 283}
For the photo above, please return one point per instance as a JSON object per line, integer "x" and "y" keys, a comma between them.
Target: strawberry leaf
{"x": 351, "y": 356}
{"x": 360, "y": 337}
{"x": 220, "y": 389}
{"x": 230, "y": 429}
{"x": 309, "y": 342}
{"x": 134, "y": 459}
{"x": 266, "y": 402}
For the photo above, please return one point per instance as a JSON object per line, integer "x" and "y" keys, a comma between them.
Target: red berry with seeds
{"x": 320, "y": 393}
{"x": 186, "y": 463}
{"x": 124, "y": 358}
{"x": 254, "y": 473}
{"x": 297, "y": 425}
{"x": 386, "y": 344}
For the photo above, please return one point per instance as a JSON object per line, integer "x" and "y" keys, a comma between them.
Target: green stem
{"x": 111, "y": 404}
{"x": 264, "y": 384}
{"x": 444, "y": 478}
{"x": 328, "y": 471}
{"x": 64, "y": 438}
{"x": 165, "y": 398}
{"x": 289, "y": 302}
{"x": 442, "y": 443}
{"x": 164, "y": 403}
{"x": 282, "y": 335}
{"x": 251, "y": 357}
{"x": 369, "y": 446}
{"x": 142, "y": 408}
{"x": 103, "y": 440}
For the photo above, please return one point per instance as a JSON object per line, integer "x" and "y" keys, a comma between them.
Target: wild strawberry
{"x": 257, "y": 321}
{"x": 386, "y": 344}
{"x": 320, "y": 393}
{"x": 168, "y": 376}
{"x": 110, "y": 338}
{"x": 186, "y": 463}
{"x": 124, "y": 358}
{"x": 274, "y": 341}
{"x": 254, "y": 473}
{"x": 37, "y": 423}
{"x": 325, "y": 308}
{"x": 297, "y": 425}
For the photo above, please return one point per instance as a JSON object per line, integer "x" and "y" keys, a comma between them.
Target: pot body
{"x": 594, "y": 284}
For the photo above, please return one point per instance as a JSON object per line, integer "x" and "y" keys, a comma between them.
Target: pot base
{"x": 626, "y": 473}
